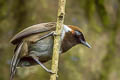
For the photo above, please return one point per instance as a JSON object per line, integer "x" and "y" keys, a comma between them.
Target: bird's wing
{"x": 38, "y": 28}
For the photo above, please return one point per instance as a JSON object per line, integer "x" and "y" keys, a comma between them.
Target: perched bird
{"x": 34, "y": 45}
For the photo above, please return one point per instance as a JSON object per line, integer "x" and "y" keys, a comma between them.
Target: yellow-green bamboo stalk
{"x": 57, "y": 39}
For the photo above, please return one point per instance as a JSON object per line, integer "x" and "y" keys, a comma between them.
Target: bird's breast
{"x": 42, "y": 48}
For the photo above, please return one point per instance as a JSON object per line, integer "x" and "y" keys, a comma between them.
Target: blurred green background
{"x": 99, "y": 20}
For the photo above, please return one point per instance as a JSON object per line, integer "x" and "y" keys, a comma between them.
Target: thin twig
{"x": 57, "y": 39}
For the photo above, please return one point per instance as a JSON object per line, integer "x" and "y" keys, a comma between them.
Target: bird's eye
{"x": 78, "y": 33}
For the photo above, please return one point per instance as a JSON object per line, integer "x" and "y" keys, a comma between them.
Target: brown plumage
{"x": 38, "y": 28}
{"x": 34, "y": 45}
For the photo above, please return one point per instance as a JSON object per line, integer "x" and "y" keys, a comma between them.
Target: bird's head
{"x": 75, "y": 35}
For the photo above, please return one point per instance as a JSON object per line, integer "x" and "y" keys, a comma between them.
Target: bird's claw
{"x": 50, "y": 71}
{"x": 55, "y": 34}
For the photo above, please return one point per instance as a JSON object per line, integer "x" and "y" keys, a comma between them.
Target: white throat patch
{"x": 65, "y": 29}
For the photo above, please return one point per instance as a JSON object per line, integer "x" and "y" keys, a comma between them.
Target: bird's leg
{"x": 37, "y": 60}
{"x": 47, "y": 35}
{"x": 53, "y": 33}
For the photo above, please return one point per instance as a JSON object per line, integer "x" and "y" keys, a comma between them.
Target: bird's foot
{"x": 50, "y": 71}
{"x": 55, "y": 34}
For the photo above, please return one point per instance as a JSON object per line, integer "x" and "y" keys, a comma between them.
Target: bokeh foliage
{"x": 99, "y": 20}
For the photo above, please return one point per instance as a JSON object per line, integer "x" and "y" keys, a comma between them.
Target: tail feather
{"x": 15, "y": 60}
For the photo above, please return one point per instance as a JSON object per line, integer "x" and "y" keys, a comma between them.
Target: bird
{"x": 34, "y": 45}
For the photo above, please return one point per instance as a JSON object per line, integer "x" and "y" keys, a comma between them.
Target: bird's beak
{"x": 85, "y": 43}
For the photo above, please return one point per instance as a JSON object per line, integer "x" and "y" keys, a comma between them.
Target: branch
{"x": 57, "y": 39}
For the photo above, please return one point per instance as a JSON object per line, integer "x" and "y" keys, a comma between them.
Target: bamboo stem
{"x": 57, "y": 39}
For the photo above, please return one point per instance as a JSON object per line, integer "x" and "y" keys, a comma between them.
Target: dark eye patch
{"x": 79, "y": 35}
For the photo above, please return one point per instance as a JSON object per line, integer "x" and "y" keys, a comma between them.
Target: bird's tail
{"x": 15, "y": 60}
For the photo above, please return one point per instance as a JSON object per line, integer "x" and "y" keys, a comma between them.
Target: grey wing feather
{"x": 15, "y": 60}
{"x": 33, "y": 30}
